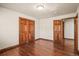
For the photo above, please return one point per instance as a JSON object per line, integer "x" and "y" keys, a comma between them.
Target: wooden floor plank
{"x": 40, "y": 48}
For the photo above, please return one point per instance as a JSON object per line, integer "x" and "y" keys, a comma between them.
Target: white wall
{"x": 69, "y": 28}
{"x": 37, "y": 28}
{"x": 9, "y": 27}
{"x": 46, "y": 26}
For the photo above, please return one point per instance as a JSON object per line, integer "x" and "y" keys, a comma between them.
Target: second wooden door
{"x": 58, "y": 32}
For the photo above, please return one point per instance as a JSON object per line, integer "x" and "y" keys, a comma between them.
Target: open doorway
{"x": 69, "y": 34}
{"x": 66, "y": 34}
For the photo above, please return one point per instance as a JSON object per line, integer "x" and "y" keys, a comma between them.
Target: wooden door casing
{"x": 58, "y": 27}
{"x": 76, "y": 34}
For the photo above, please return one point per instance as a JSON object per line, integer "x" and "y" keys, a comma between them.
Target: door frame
{"x": 76, "y": 34}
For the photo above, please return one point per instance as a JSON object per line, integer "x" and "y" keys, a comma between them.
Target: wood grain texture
{"x": 76, "y": 34}
{"x": 41, "y": 47}
{"x": 26, "y": 30}
{"x": 58, "y": 31}
{"x": 61, "y": 33}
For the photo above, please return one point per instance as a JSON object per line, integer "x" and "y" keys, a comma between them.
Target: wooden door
{"x": 22, "y": 34}
{"x": 31, "y": 31}
{"x": 58, "y": 27}
{"x": 26, "y": 30}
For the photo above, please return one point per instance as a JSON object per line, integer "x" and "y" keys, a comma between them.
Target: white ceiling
{"x": 50, "y": 10}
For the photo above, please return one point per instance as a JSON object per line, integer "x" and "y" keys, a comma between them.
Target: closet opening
{"x": 69, "y": 34}
{"x": 66, "y": 34}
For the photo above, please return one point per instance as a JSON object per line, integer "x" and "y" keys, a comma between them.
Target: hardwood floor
{"x": 69, "y": 43}
{"x": 39, "y": 48}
